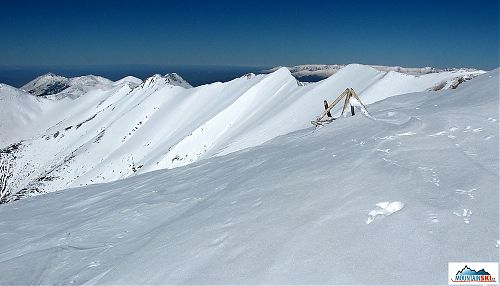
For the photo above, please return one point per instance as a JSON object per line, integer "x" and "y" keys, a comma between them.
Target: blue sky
{"x": 250, "y": 33}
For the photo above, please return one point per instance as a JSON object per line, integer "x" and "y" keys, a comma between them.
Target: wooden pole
{"x": 347, "y": 93}
{"x": 346, "y": 102}
{"x": 325, "y": 103}
{"x": 333, "y": 104}
{"x": 356, "y": 96}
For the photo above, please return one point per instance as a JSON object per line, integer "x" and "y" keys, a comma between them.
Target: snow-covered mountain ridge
{"x": 316, "y": 72}
{"x": 128, "y": 127}
{"x": 51, "y": 85}
{"x": 404, "y": 193}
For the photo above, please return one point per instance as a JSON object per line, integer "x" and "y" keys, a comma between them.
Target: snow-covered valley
{"x": 97, "y": 131}
{"x": 386, "y": 199}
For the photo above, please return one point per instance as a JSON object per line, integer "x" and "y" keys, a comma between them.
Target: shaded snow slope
{"x": 129, "y": 127}
{"x": 18, "y": 111}
{"x": 384, "y": 199}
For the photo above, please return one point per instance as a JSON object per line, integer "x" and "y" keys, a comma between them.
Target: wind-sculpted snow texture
{"x": 97, "y": 131}
{"x": 386, "y": 199}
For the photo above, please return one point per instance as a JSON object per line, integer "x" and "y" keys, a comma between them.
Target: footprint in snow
{"x": 432, "y": 217}
{"x": 469, "y": 193}
{"x": 384, "y": 209}
{"x": 228, "y": 222}
{"x": 219, "y": 240}
{"x": 406, "y": 134}
{"x": 469, "y": 153}
{"x": 257, "y": 203}
{"x": 441, "y": 133}
{"x": 429, "y": 175}
{"x": 94, "y": 264}
{"x": 465, "y": 214}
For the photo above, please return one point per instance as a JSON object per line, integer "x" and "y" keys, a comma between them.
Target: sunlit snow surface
{"x": 97, "y": 133}
{"x": 292, "y": 210}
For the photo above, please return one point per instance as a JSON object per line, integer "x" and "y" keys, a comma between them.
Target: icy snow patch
{"x": 384, "y": 209}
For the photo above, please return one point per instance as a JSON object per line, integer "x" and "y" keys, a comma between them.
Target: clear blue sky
{"x": 250, "y": 33}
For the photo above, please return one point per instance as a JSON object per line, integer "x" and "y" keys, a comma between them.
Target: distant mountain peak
{"x": 169, "y": 78}
{"x": 56, "y": 86}
{"x": 49, "y": 74}
{"x": 248, "y": 75}
{"x": 131, "y": 81}
{"x": 46, "y": 84}
{"x": 175, "y": 79}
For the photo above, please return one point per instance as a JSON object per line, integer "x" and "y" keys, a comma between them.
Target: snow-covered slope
{"x": 81, "y": 85}
{"x": 359, "y": 201}
{"x": 18, "y": 111}
{"x": 317, "y": 72}
{"x": 132, "y": 81}
{"x": 122, "y": 129}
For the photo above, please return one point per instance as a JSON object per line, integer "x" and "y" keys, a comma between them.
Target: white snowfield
{"x": 18, "y": 114}
{"x": 367, "y": 201}
{"x": 130, "y": 127}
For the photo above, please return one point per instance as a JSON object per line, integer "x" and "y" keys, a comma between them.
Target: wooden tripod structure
{"x": 348, "y": 93}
